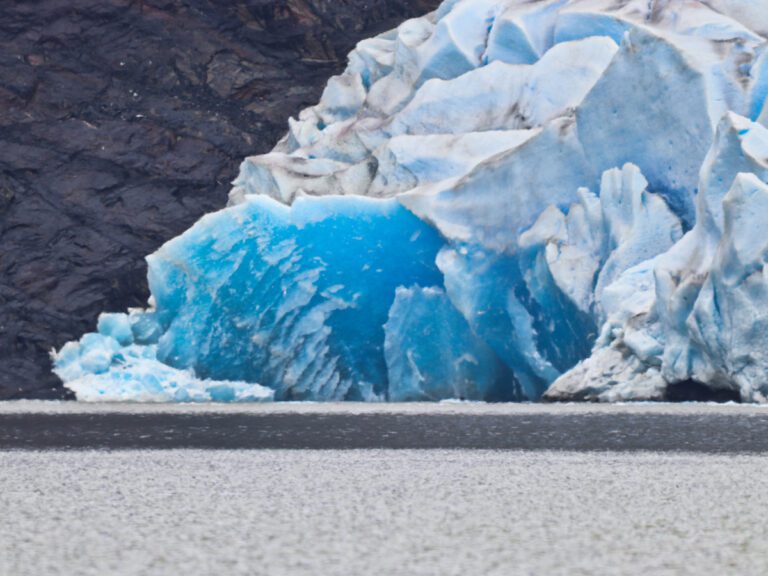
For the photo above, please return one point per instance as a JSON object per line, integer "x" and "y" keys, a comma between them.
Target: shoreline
{"x": 694, "y": 428}
{"x": 443, "y": 407}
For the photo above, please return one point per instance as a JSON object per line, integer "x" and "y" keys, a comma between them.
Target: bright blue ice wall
{"x": 293, "y": 298}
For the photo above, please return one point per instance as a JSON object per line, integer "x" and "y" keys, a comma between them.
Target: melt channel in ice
{"x": 498, "y": 201}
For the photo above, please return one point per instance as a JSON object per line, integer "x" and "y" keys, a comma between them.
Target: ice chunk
{"x": 759, "y": 80}
{"x": 145, "y": 326}
{"x": 600, "y": 238}
{"x": 285, "y": 176}
{"x": 342, "y": 98}
{"x": 739, "y": 146}
{"x": 93, "y": 354}
{"x": 135, "y": 375}
{"x": 373, "y": 58}
{"x": 118, "y": 326}
{"x": 705, "y": 323}
{"x": 292, "y": 298}
{"x": 478, "y": 100}
{"x": 481, "y": 286}
{"x": 405, "y": 162}
{"x": 638, "y": 225}
{"x": 523, "y": 32}
{"x": 752, "y": 14}
{"x": 512, "y": 304}
{"x": 576, "y": 24}
{"x": 458, "y": 41}
{"x": 508, "y": 40}
{"x": 508, "y": 96}
{"x": 503, "y": 196}
{"x": 572, "y": 247}
{"x": 632, "y": 115}
{"x": 730, "y": 318}
{"x": 432, "y": 354}
{"x": 609, "y": 375}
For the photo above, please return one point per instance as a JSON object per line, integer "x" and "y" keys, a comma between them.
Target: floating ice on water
{"x": 100, "y": 369}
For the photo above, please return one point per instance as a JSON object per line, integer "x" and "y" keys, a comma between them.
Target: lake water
{"x": 380, "y": 511}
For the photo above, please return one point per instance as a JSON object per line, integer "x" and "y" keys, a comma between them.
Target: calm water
{"x": 656, "y": 428}
{"x": 651, "y": 490}
{"x": 381, "y": 512}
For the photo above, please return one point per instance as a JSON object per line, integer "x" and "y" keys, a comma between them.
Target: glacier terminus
{"x": 501, "y": 200}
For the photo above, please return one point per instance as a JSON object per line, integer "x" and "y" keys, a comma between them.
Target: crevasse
{"x": 502, "y": 200}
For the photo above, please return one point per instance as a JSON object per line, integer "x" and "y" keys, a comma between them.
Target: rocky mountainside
{"x": 121, "y": 123}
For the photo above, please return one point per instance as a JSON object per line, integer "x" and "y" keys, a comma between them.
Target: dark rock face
{"x": 121, "y": 123}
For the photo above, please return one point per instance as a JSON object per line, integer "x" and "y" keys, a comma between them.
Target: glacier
{"x": 503, "y": 200}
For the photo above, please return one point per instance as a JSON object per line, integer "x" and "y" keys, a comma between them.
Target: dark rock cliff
{"x": 121, "y": 123}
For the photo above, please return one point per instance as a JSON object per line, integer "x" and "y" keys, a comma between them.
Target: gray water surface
{"x": 656, "y": 428}
{"x": 471, "y": 489}
{"x": 384, "y": 512}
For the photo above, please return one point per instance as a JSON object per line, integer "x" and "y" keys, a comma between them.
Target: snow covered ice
{"x": 502, "y": 200}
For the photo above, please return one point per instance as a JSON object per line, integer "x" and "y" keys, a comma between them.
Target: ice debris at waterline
{"x": 500, "y": 200}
